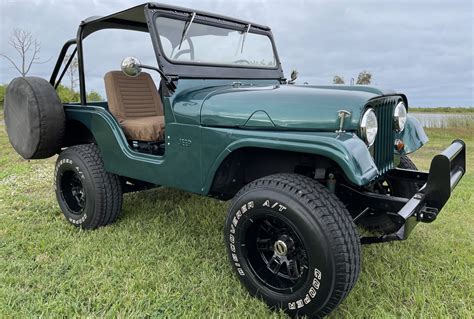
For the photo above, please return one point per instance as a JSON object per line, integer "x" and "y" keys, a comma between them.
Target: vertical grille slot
{"x": 383, "y": 145}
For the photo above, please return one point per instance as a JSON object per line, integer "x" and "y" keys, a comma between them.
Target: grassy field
{"x": 165, "y": 257}
{"x": 442, "y": 109}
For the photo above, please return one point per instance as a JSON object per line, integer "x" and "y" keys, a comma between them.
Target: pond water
{"x": 440, "y": 120}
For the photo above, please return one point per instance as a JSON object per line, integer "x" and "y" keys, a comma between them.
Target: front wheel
{"x": 88, "y": 195}
{"x": 293, "y": 244}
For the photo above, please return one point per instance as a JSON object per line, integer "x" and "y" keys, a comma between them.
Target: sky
{"x": 423, "y": 48}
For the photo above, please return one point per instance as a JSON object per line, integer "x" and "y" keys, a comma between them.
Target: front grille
{"x": 383, "y": 148}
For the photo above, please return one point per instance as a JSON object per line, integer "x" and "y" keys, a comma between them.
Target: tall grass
{"x": 447, "y": 120}
{"x": 442, "y": 109}
{"x": 466, "y": 121}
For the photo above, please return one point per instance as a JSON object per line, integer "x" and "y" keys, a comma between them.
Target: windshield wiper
{"x": 244, "y": 36}
{"x": 186, "y": 29}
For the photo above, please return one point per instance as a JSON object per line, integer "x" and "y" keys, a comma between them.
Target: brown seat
{"x": 135, "y": 102}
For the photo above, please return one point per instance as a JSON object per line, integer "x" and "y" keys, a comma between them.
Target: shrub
{"x": 94, "y": 96}
{"x": 67, "y": 95}
{"x": 3, "y": 88}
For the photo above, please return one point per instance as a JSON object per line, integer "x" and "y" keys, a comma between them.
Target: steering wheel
{"x": 180, "y": 53}
{"x": 241, "y": 61}
{"x": 189, "y": 51}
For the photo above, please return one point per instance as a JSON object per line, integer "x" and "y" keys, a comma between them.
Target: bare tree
{"x": 338, "y": 80}
{"x": 27, "y": 47}
{"x": 72, "y": 71}
{"x": 365, "y": 77}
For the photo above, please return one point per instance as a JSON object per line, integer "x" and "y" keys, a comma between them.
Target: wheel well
{"x": 77, "y": 133}
{"x": 248, "y": 164}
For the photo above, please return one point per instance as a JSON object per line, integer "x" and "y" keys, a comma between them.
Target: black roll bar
{"x": 59, "y": 62}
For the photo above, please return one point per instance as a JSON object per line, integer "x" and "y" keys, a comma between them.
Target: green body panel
{"x": 259, "y": 119}
{"x": 180, "y": 167}
{"x": 413, "y": 136}
{"x": 355, "y": 88}
{"x": 347, "y": 150}
{"x": 190, "y": 94}
{"x": 288, "y": 107}
{"x": 206, "y": 120}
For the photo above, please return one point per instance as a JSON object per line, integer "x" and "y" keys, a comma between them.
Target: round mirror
{"x": 294, "y": 75}
{"x": 131, "y": 66}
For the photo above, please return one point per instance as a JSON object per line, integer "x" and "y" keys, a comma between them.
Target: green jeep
{"x": 304, "y": 165}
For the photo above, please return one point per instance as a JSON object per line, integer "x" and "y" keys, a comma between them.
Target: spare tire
{"x": 34, "y": 117}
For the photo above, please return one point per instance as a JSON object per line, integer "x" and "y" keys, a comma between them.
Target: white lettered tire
{"x": 293, "y": 244}
{"x": 88, "y": 196}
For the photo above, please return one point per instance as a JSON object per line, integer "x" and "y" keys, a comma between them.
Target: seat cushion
{"x": 136, "y": 104}
{"x": 132, "y": 97}
{"x": 147, "y": 129}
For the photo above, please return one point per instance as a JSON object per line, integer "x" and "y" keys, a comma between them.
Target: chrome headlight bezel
{"x": 368, "y": 131}
{"x": 400, "y": 117}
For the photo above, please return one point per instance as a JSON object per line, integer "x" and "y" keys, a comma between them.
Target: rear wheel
{"x": 293, "y": 244}
{"x": 89, "y": 196}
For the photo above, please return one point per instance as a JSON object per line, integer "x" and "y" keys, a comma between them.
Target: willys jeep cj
{"x": 303, "y": 165}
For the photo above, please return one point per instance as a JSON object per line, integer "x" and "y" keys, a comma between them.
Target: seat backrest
{"x": 132, "y": 97}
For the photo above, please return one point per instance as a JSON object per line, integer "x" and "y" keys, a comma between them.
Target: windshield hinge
{"x": 173, "y": 78}
{"x": 247, "y": 29}
{"x": 187, "y": 25}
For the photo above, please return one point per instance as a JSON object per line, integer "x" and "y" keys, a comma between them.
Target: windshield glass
{"x": 191, "y": 41}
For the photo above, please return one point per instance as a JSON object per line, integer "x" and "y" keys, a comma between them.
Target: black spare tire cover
{"x": 34, "y": 117}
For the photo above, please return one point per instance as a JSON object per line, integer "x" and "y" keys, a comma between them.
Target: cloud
{"x": 422, "y": 48}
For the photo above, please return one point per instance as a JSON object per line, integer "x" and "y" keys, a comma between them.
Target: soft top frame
{"x": 136, "y": 19}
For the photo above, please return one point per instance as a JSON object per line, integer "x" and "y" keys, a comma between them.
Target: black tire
{"x": 34, "y": 118}
{"x": 323, "y": 248}
{"x": 382, "y": 222}
{"x": 88, "y": 196}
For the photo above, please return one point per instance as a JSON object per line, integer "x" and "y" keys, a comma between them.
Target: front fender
{"x": 346, "y": 149}
{"x": 413, "y": 136}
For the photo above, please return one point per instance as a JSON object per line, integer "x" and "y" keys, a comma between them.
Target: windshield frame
{"x": 191, "y": 69}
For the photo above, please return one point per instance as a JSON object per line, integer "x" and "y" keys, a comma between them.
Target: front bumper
{"x": 446, "y": 170}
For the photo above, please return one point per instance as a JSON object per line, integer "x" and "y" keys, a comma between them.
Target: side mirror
{"x": 293, "y": 77}
{"x": 131, "y": 66}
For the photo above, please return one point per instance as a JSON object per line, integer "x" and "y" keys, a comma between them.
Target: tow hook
{"x": 427, "y": 214}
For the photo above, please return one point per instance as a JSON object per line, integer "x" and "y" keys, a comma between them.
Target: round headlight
{"x": 400, "y": 117}
{"x": 369, "y": 127}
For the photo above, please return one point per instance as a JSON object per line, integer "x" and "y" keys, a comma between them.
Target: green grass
{"x": 165, "y": 257}
{"x": 442, "y": 109}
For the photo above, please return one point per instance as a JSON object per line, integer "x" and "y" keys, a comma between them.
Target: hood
{"x": 286, "y": 106}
